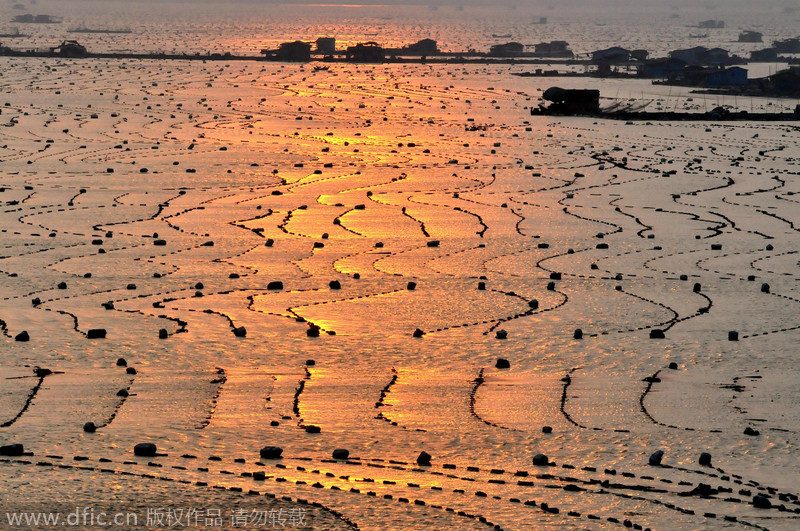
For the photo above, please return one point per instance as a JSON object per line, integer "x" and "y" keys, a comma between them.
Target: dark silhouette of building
{"x": 509, "y": 49}
{"x": 326, "y": 45}
{"x": 702, "y": 56}
{"x": 767, "y": 55}
{"x": 613, "y": 55}
{"x": 787, "y": 45}
{"x": 365, "y": 52}
{"x": 70, "y": 49}
{"x": 735, "y": 76}
{"x": 297, "y": 51}
{"x": 552, "y": 49}
{"x": 750, "y": 36}
{"x": 712, "y": 24}
{"x": 665, "y": 68}
{"x": 784, "y": 83}
{"x": 423, "y": 47}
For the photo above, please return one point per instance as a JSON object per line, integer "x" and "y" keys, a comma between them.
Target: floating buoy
{"x": 145, "y": 450}
{"x": 12, "y": 450}
{"x": 577, "y": 334}
{"x": 424, "y": 459}
{"x": 705, "y": 459}
{"x": 761, "y": 502}
{"x": 655, "y": 458}
{"x": 341, "y": 453}
{"x": 540, "y": 460}
{"x": 271, "y": 452}
{"x": 502, "y": 363}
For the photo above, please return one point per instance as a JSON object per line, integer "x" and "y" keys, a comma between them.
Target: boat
{"x": 321, "y": 68}
{"x": 36, "y": 19}
{"x": 504, "y": 36}
{"x": 90, "y": 30}
{"x": 15, "y": 35}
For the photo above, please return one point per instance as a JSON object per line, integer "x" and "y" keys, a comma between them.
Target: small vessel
{"x": 15, "y": 35}
{"x": 321, "y": 68}
{"x": 82, "y": 29}
{"x": 504, "y": 36}
{"x": 36, "y": 19}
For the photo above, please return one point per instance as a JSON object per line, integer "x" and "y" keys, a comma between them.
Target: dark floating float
{"x": 705, "y": 459}
{"x": 145, "y": 450}
{"x": 341, "y": 453}
{"x": 271, "y": 452}
{"x": 424, "y": 459}
{"x": 12, "y": 450}
{"x": 96, "y": 333}
{"x": 655, "y": 458}
{"x": 540, "y": 460}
